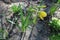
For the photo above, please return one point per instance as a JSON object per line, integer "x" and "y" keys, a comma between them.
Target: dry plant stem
{"x": 23, "y": 35}
{"x": 31, "y": 32}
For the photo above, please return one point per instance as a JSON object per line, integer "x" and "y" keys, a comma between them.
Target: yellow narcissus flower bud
{"x": 42, "y": 14}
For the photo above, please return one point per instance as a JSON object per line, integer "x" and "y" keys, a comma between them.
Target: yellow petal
{"x": 41, "y": 18}
{"x": 42, "y": 13}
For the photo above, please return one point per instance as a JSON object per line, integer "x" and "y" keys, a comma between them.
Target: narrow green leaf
{"x": 53, "y": 9}
{"x": 58, "y": 1}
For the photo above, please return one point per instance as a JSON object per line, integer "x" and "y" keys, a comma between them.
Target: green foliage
{"x": 55, "y": 23}
{"x": 58, "y": 1}
{"x": 15, "y": 9}
{"x": 54, "y": 37}
{"x": 25, "y": 20}
{"x": 31, "y": 9}
{"x": 53, "y": 9}
{"x": 10, "y": 21}
{"x": 28, "y": 19}
{"x": 1, "y": 30}
{"x": 35, "y": 20}
{"x": 3, "y": 33}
